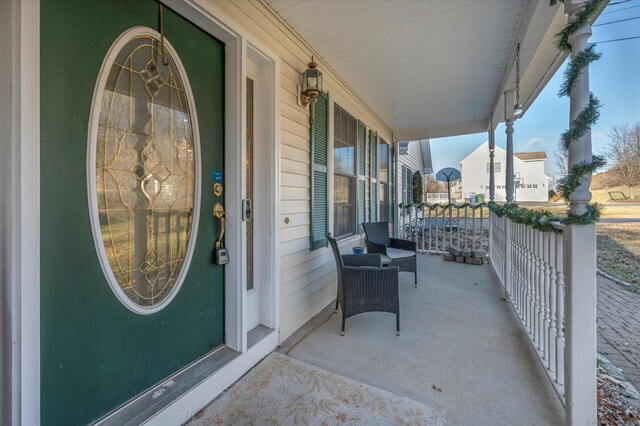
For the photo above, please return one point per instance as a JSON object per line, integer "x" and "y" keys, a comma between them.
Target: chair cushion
{"x": 395, "y": 253}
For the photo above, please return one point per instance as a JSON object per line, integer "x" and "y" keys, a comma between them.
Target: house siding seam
{"x": 307, "y": 278}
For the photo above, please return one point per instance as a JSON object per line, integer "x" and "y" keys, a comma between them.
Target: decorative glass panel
{"x": 145, "y": 171}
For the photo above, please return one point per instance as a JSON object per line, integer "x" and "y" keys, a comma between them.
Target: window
{"x": 145, "y": 163}
{"x": 384, "y": 197}
{"x": 407, "y": 185}
{"x": 373, "y": 176}
{"x": 345, "y": 179}
{"x": 497, "y": 167}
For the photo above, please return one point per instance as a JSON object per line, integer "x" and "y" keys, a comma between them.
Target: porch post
{"x": 492, "y": 176}
{"x": 580, "y": 264}
{"x": 509, "y": 100}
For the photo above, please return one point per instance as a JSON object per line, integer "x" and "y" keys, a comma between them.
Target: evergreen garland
{"x": 582, "y": 123}
{"x": 541, "y": 220}
{"x": 582, "y": 18}
{"x": 575, "y": 68}
{"x": 572, "y": 180}
{"x": 586, "y": 118}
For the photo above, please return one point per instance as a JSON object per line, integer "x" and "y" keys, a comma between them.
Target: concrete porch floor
{"x": 460, "y": 349}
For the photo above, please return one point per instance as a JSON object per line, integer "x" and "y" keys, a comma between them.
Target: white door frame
{"x": 20, "y": 212}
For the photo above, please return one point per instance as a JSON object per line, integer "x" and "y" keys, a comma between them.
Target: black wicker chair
{"x": 402, "y": 252}
{"x": 364, "y": 285}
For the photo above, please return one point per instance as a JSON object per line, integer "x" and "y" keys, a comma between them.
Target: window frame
{"x": 353, "y": 179}
{"x": 384, "y": 186}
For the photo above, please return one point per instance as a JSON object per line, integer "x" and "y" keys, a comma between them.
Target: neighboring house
{"x": 530, "y": 181}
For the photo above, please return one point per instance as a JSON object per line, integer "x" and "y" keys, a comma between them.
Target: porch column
{"x": 509, "y": 100}
{"x": 492, "y": 176}
{"x": 580, "y": 264}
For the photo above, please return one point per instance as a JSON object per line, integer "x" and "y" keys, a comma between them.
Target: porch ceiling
{"x": 430, "y": 68}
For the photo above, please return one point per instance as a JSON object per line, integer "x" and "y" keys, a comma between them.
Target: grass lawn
{"x": 619, "y": 250}
{"x": 602, "y": 195}
{"x": 609, "y": 212}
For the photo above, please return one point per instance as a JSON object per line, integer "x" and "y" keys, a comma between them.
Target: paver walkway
{"x": 619, "y": 327}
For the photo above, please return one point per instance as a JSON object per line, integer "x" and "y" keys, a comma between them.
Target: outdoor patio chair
{"x": 402, "y": 252}
{"x": 364, "y": 285}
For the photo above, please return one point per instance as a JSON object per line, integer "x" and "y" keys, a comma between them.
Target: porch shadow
{"x": 460, "y": 349}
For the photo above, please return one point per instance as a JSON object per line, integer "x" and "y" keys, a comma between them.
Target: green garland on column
{"x": 543, "y": 220}
{"x": 585, "y": 119}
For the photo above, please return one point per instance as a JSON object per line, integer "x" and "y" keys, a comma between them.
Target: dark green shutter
{"x": 373, "y": 198}
{"x": 319, "y": 179}
{"x": 362, "y": 167}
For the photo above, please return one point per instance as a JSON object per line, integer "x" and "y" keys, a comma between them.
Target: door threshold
{"x": 256, "y": 334}
{"x": 152, "y": 401}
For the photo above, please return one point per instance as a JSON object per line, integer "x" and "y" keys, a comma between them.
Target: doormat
{"x": 284, "y": 391}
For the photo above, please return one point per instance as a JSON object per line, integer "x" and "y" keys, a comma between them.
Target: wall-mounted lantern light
{"x": 311, "y": 87}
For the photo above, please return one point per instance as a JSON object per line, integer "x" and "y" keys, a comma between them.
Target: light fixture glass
{"x": 517, "y": 110}
{"x": 311, "y": 87}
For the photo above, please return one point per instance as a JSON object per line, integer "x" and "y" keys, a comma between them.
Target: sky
{"x": 614, "y": 79}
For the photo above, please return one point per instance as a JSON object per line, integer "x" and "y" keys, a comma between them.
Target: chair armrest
{"x": 403, "y": 244}
{"x": 376, "y": 248}
{"x": 374, "y": 259}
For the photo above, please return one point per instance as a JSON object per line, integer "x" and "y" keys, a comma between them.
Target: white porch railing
{"x": 436, "y": 226}
{"x": 529, "y": 264}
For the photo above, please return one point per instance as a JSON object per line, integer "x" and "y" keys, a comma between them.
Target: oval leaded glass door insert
{"x": 146, "y": 170}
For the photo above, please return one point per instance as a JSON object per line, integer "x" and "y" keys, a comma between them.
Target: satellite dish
{"x": 448, "y": 174}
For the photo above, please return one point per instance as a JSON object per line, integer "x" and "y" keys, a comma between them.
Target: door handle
{"x": 218, "y": 212}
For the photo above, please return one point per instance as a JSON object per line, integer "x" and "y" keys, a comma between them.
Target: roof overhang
{"x": 432, "y": 68}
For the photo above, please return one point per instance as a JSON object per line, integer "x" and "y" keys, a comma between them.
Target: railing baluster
{"x": 458, "y": 224}
{"x": 551, "y": 338}
{"x": 533, "y": 314}
{"x": 560, "y": 310}
{"x": 545, "y": 305}
{"x": 430, "y": 228}
{"x": 540, "y": 292}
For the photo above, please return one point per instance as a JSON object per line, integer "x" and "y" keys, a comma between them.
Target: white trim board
{"x": 20, "y": 22}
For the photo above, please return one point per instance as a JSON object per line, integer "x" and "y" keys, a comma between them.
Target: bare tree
{"x": 624, "y": 152}
{"x": 432, "y": 186}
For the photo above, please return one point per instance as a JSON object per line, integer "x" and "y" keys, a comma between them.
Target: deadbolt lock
{"x": 217, "y": 189}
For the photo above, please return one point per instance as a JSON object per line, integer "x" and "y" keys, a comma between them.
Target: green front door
{"x": 129, "y": 294}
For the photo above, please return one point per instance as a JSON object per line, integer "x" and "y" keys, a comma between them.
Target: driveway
{"x": 619, "y": 327}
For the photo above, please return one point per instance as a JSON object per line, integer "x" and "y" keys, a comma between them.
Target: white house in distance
{"x": 531, "y": 184}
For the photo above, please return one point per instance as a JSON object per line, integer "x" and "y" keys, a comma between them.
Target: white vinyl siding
{"x": 307, "y": 278}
